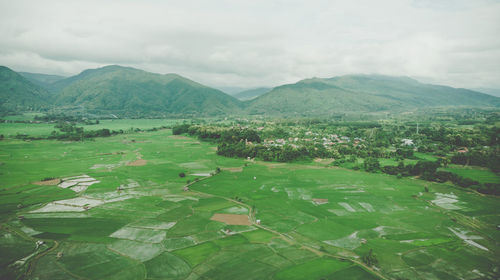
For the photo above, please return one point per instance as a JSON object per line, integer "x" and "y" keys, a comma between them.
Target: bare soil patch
{"x": 324, "y": 160}
{"x": 139, "y": 162}
{"x": 180, "y": 137}
{"x": 233, "y": 169}
{"x": 51, "y": 182}
{"x": 231, "y": 219}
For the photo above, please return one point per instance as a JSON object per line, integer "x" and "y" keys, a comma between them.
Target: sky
{"x": 246, "y": 44}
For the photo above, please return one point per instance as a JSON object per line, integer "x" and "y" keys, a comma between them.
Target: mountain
{"x": 19, "y": 94}
{"x": 43, "y": 80}
{"x": 126, "y": 91}
{"x": 129, "y": 92}
{"x": 490, "y": 91}
{"x": 251, "y": 93}
{"x": 362, "y": 93}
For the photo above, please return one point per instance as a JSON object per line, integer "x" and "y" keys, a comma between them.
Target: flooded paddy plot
{"x": 140, "y": 234}
{"x": 447, "y": 201}
{"x": 78, "y": 183}
{"x": 320, "y": 201}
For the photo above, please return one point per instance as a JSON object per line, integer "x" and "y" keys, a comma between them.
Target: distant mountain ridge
{"x": 19, "y": 94}
{"x": 130, "y": 92}
{"x": 362, "y": 93}
{"x": 251, "y": 93}
{"x": 490, "y": 91}
{"x": 43, "y": 80}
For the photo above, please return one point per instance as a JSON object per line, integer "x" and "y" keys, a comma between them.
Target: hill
{"x": 490, "y": 91}
{"x": 44, "y": 80}
{"x": 362, "y": 93}
{"x": 130, "y": 92}
{"x": 251, "y": 93}
{"x": 19, "y": 94}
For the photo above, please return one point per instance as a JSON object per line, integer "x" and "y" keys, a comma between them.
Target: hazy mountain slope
{"x": 43, "y": 80}
{"x": 19, "y": 94}
{"x": 412, "y": 92}
{"x": 362, "y": 93}
{"x": 251, "y": 93}
{"x": 490, "y": 91}
{"x": 130, "y": 91}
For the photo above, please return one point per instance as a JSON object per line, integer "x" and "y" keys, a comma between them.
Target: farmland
{"x": 147, "y": 221}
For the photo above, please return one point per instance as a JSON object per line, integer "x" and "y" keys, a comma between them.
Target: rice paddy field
{"x": 44, "y": 129}
{"x": 480, "y": 174}
{"x": 116, "y": 208}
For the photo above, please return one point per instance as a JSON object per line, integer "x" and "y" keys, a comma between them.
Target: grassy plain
{"x": 141, "y": 224}
{"x": 480, "y": 174}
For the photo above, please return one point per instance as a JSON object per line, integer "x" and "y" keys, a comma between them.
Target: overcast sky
{"x": 255, "y": 43}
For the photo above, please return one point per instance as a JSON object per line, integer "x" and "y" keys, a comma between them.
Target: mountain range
{"x": 130, "y": 92}
{"x": 19, "y": 94}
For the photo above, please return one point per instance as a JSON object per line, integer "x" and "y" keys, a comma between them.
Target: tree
{"x": 182, "y": 174}
{"x": 370, "y": 258}
{"x": 371, "y": 164}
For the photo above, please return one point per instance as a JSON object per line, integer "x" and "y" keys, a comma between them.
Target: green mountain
{"x": 126, "y": 91}
{"x": 362, "y": 93}
{"x": 251, "y": 93}
{"x": 43, "y": 80}
{"x": 490, "y": 91}
{"x": 19, "y": 94}
{"x": 129, "y": 92}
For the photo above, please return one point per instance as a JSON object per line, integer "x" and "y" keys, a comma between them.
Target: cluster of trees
{"x": 379, "y": 141}
{"x": 370, "y": 258}
{"x": 218, "y": 134}
{"x": 428, "y": 170}
{"x": 180, "y": 129}
{"x": 490, "y": 159}
{"x": 72, "y": 132}
{"x": 284, "y": 153}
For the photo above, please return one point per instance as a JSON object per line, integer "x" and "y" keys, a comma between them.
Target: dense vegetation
{"x": 125, "y": 92}
{"x": 388, "y": 147}
{"x": 17, "y": 94}
{"x": 148, "y": 213}
{"x": 361, "y": 93}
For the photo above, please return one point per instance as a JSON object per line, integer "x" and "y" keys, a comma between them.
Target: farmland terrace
{"x": 100, "y": 217}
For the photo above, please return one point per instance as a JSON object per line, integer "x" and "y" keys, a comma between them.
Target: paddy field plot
{"x": 315, "y": 222}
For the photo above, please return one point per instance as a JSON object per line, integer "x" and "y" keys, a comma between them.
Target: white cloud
{"x": 258, "y": 43}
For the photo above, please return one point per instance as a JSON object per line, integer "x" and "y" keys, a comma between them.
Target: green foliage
{"x": 371, "y": 164}
{"x": 362, "y": 93}
{"x": 370, "y": 259}
{"x": 131, "y": 92}
{"x": 17, "y": 94}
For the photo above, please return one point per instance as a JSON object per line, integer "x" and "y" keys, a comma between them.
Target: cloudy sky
{"x": 251, "y": 43}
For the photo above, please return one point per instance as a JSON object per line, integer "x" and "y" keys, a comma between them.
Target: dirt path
{"x": 34, "y": 260}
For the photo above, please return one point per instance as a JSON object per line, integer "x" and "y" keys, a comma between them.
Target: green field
{"x": 44, "y": 129}
{"x": 137, "y": 222}
{"x": 482, "y": 175}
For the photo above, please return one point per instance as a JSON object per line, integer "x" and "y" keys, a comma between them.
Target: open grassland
{"x": 480, "y": 174}
{"x": 138, "y": 222}
{"x": 44, "y": 129}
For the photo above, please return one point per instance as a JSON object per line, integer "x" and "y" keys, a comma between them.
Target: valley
{"x": 86, "y": 210}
